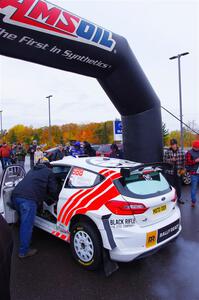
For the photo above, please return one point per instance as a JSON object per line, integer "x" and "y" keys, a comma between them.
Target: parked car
{"x": 49, "y": 154}
{"x": 105, "y": 150}
{"x": 105, "y": 204}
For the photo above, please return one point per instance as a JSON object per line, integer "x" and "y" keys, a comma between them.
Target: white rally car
{"x": 126, "y": 209}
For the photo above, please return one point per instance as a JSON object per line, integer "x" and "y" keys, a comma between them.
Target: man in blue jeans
{"x": 38, "y": 185}
{"x": 192, "y": 161}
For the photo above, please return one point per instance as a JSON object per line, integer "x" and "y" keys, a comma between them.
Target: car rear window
{"x": 143, "y": 185}
{"x": 104, "y": 148}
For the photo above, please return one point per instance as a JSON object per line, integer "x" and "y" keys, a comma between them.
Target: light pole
{"x": 178, "y": 56}
{"x": 49, "y": 128}
{"x": 1, "y": 112}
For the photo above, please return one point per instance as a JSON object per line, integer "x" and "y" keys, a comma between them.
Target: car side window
{"x": 60, "y": 173}
{"x": 81, "y": 178}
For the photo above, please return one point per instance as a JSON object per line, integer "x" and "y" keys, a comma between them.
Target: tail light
{"x": 174, "y": 198}
{"x": 126, "y": 208}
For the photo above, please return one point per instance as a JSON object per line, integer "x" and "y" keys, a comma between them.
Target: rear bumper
{"x": 132, "y": 244}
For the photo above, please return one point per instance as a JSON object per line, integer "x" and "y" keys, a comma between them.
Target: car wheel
{"x": 186, "y": 179}
{"x": 86, "y": 246}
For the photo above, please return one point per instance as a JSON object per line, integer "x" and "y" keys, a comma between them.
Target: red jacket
{"x": 5, "y": 151}
{"x": 190, "y": 162}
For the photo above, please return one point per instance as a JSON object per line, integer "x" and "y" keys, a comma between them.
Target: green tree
{"x": 13, "y": 137}
{"x": 165, "y": 133}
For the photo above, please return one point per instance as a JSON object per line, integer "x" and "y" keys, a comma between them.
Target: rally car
{"x": 124, "y": 208}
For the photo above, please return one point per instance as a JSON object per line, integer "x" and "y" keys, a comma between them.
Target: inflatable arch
{"x": 40, "y": 32}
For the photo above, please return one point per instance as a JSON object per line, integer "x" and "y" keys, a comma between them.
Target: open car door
{"x": 10, "y": 178}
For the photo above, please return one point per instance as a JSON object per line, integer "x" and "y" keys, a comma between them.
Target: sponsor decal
{"x": 151, "y": 239}
{"x": 168, "y": 231}
{"x": 122, "y": 222}
{"x": 45, "y": 17}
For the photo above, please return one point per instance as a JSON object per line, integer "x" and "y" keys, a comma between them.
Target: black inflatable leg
{"x": 142, "y": 136}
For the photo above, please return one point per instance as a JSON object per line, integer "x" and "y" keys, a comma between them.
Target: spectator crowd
{"x": 16, "y": 153}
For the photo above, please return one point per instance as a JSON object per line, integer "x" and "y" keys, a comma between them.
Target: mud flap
{"x": 110, "y": 266}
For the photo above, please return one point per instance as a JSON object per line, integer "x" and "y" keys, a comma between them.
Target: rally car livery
{"x": 124, "y": 208}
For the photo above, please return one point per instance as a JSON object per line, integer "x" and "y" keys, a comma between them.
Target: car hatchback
{"x": 123, "y": 208}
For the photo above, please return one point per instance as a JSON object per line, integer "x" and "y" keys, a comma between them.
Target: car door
{"x": 10, "y": 178}
{"x": 78, "y": 181}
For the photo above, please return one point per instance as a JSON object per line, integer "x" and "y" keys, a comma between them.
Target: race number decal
{"x": 78, "y": 172}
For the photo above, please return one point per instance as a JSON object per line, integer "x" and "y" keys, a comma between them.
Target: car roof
{"x": 96, "y": 163}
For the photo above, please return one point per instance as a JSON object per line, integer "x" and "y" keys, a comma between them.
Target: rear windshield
{"x": 143, "y": 185}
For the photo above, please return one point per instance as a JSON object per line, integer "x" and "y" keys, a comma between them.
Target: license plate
{"x": 168, "y": 231}
{"x": 151, "y": 239}
{"x": 159, "y": 209}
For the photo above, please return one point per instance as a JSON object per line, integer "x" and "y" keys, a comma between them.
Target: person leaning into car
{"x": 37, "y": 186}
{"x": 176, "y": 158}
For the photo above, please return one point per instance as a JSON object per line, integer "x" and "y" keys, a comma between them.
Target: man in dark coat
{"x": 88, "y": 150}
{"x": 116, "y": 152}
{"x": 38, "y": 185}
{"x": 31, "y": 151}
{"x": 6, "y": 246}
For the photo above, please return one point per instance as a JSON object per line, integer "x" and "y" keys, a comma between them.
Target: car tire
{"x": 186, "y": 179}
{"x": 86, "y": 245}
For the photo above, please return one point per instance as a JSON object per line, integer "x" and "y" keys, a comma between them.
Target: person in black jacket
{"x": 6, "y": 246}
{"x": 116, "y": 152}
{"x": 38, "y": 185}
{"x": 59, "y": 153}
{"x": 32, "y": 149}
{"x": 88, "y": 150}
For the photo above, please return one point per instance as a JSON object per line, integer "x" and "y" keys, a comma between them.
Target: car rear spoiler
{"x": 158, "y": 166}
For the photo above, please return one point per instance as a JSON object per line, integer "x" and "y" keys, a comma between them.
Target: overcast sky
{"x": 155, "y": 30}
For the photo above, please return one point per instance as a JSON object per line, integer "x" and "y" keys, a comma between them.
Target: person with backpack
{"x": 192, "y": 163}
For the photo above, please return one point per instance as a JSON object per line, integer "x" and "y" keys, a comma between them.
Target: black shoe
{"x": 181, "y": 202}
{"x": 30, "y": 253}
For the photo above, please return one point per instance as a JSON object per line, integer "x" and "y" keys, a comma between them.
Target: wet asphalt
{"x": 172, "y": 273}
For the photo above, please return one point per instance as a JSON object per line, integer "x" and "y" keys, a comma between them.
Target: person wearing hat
{"x": 176, "y": 158}
{"x": 192, "y": 161}
{"x": 76, "y": 150}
